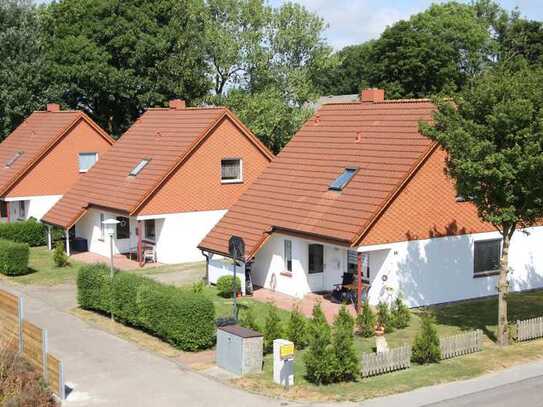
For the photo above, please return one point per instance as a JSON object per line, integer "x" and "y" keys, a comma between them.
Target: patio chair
{"x": 149, "y": 253}
{"x": 343, "y": 292}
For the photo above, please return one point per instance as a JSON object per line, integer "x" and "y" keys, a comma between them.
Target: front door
{"x": 315, "y": 270}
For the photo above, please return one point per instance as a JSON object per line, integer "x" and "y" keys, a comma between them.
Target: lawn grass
{"x": 450, "y": 319}
{"x": 42, "y": 270}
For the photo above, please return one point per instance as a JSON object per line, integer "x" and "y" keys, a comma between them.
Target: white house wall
{"x": 36, "y": 206}
{"x": 441, "y": 269}
{"x": 177, "y": 235}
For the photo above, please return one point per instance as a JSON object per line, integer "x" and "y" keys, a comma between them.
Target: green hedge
{"x": 31, "y": 232}
{"x": 225, "y": 283}
{"x": 183, "y": 318}
{"x": 13, "y": 258}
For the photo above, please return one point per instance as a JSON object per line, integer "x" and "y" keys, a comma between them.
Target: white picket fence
{"x": 530, "y": 329}
{"x": 461, "y": 344}
{"x": 384, "y": 362}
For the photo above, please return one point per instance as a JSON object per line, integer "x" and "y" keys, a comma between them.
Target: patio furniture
{"x": 343, "y": 292}
{"x": 149, "y": 253}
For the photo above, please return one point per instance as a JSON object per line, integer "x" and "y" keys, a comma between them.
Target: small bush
{"x": 13, "y": 258}
{"x": 198, "y": 287}
{"x": 366, "y": 321}
{"x": 347, "y": 364}
{"x": 297, "y": 329}
{"x": 272, "y": 328}
{"x": 248, "y": 319}
{"x": 384, "y": 318}
{"x": 59, "y": 255}
{"x": 94, "y": 287}
{"x": 181, "y": 317}
{"x": 426, "y": 347}
{"x": 224, "y": 286}
{"x": 319, "y": 359}
{"x": 400, "y": 314}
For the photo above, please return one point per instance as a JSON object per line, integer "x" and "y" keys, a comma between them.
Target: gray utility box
{"x": 239, "y": 350}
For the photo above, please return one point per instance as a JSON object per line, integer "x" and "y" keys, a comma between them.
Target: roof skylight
{"x": 14, "y": 158}
{"x": 341, "y": 182}
{"x": 140, "y": 166}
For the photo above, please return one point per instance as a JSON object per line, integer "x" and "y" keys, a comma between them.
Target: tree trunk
{"x": 503, "y": 289}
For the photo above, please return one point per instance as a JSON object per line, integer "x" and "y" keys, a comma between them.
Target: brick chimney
{"x": 372, "y": 95}
{"x": 177, "y": 104}
{"x": 53, "y": 107}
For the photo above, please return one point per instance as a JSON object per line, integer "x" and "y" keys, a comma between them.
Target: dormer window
{"x": 14, "y": 158}
{"x": 341, "y": 182}
{"x": 86, "y": 161}
{"x": 140, "y": 166}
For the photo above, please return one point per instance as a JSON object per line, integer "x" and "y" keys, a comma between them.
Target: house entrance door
{"x": 315, "y": 270}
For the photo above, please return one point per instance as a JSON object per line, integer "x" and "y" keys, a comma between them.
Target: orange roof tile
{"x": 166, "y": 137}
{"x": 292, "y": 194}
{"x": 34, "y": 138}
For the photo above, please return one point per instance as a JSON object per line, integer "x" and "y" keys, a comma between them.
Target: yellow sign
{"x": 286, "y": 351}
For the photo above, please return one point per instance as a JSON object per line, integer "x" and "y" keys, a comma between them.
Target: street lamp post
{"x": 110, "y": 226}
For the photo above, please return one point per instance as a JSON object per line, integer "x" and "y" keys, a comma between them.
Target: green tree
{"x": 24, "y": 85}
{"x": 493, "y": 135}
{"x": 523, "y": 38}
{"x": 384, "y": 317}
{"x": 366, "y": 321}
{"x": 319, "y": 358}
{"x": 435, "y": 51}
{"x": 426, "y": 346}
{"x": 297, "y": 328}
{"x": 347, "y": 363}
{"x": 114, "y": 58}
{"x": 349, "y": 74}
{"x": 272, "y": 328}
{"x": 248, "y": 319}
{"x": 400, "y": 314}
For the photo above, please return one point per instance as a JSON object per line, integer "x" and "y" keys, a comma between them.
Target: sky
{"x": 356, "y": 21}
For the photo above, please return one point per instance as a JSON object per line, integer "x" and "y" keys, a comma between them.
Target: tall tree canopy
{"x": 23, "y": 83}
{"x": 265, "y": 60}
{"x": 113, "y": 58}
{"x": 494, "y": 139}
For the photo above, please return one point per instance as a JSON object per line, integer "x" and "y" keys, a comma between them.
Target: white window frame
{"x": 22, "y": 210}
{"x": 237, "y": 180}
{"x": 487, "y": 273}
{"x": 102, "y": 228}
{"x": 145, "y": 230}
{"x": 287, "y": 255}
{"x": 95, "y": 161}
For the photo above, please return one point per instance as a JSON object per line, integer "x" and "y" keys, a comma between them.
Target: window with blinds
{"x": 486, "y": 257}
{"x": 288, "y": 255}
{"x": 231, "y": 170}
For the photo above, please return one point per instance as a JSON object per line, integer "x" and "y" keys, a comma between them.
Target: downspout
{"x": 359, "y": 282}
{"x": 206, "y": 277}
{"x": 139, "y": 233}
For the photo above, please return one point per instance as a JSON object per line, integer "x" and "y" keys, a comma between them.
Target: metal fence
{"x": 461, "y": 344}
{"x": 384, "y": 362}
{"x": 530, "y": 329}
{"x": 30, "y": 341}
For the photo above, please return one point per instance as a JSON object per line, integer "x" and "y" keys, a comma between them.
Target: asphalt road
{"x": 525, "y": 393}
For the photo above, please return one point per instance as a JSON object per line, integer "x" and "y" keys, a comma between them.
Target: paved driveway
{"x": 105, "y": 370}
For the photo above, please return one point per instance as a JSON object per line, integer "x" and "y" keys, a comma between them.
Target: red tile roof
{"x": 292, "y": 195}
{"x": 35, "y": 137}
{"x": 166, "y": 137}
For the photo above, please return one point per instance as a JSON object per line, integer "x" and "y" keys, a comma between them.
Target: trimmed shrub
{"x": 198, "y": 287}
{"x": 248, "y": 319}
{"x": 319, "y": 358}
{"x": 94, "y": 287}
{"x": 426, "y": 347}
{"x": 347, "y": 364}
{"x": 13, "y": 258}
{"x": 297, "y": 328}
{"x": 400, "y": 314}
{"x": 366, "y": 321}
{"x": 272, "y": 328}
{"x": 30, "y": 231}
{"x": 181, "y": 317}
{"x": 224, "y": 286}
{"x": 384, "y": 318}
{"x": 59, "y": 255}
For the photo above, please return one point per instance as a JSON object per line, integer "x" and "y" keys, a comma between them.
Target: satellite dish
{"x": 236, "y": 248}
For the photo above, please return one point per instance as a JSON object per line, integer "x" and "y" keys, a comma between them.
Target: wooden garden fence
{"x": 30, "y": 341}
{"x": 530, "y": 329}
{"x": 461, "y": 344}
{"x": 384, "y": 362}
